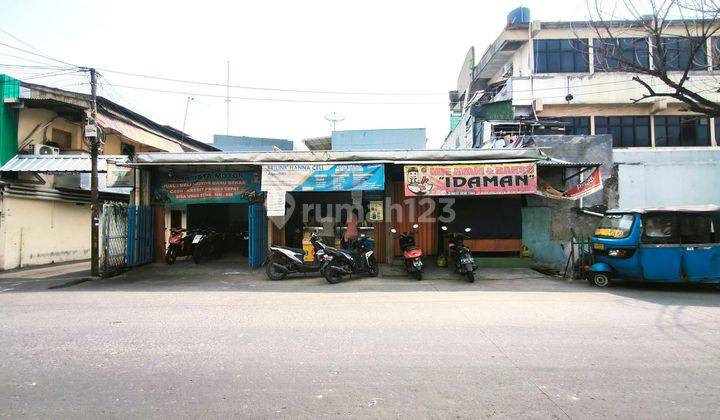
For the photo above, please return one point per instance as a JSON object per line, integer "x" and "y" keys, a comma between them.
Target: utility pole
{"x": 227, "y": 101}
{"x": 91, "y": 132}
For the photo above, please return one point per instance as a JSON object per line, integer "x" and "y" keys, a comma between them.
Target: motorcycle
{"x": 207, "y": 243}
{"x": 412, "y": 253}
{"x": 179, "y": 244}
{"x": 461, "y": 256}
{"x": 284, "y": 260}
{"x": 357, "y": 259}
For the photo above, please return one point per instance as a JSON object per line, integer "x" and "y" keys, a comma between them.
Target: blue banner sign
{"x": 309, "y": 177}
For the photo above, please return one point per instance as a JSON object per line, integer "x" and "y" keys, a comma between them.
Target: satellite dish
{"x": 334, "y": 118}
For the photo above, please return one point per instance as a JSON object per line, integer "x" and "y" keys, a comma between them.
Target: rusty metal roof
{"x": 58, "y": 163}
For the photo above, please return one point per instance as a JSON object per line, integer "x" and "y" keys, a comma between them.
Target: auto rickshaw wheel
{"x": 599, "y": 279}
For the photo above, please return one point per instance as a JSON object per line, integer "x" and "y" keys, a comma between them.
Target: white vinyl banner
{"x": 275, "y": 203}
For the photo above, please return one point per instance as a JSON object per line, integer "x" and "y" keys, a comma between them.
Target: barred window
{"x": 561, "y": 56}
{"x": 620, "y": 54}
{"x": 682, "y": 131}
{"x": 676, "y": 53}
{"x": 626, "y": 131}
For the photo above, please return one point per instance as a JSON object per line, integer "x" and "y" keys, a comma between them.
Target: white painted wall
{"x": 35, "y": 232}
{"x": 673, "y": 177}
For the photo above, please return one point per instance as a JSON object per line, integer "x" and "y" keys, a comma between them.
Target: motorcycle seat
{"x": 295, "y": 250}
{"x": 412, "y": 248}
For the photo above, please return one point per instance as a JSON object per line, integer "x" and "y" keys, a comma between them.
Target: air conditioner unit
{"x": 43, "y": 149}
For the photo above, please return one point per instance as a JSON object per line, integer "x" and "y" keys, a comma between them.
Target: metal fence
{"x": 113, "y": 257}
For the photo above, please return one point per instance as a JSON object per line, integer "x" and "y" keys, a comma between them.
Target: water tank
{"x": 518, "y": 16}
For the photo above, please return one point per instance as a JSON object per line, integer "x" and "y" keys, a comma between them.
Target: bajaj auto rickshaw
{"x": 673, "y": 244}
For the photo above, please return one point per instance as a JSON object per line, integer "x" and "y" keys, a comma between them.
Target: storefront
{"x": 202, "y": 199}
{"x": 303, "y": 199}
{"x": 282, "y": 197}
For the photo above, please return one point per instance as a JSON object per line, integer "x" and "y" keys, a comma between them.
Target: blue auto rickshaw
{"x": 672, "y": 244}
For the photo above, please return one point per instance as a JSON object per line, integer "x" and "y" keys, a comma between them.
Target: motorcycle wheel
{"x": 418, "y": 275}
{"x": 332, "y": 276}
{"x": 198, "y": 253}
{"x": 373, "y": 269}
{"x": 470, "y": 276}
{"x": 271, "y": 271}
{"x": 171, "y": 255}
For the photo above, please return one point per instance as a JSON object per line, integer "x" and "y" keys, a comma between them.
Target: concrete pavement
{"x": 225, "y": 343}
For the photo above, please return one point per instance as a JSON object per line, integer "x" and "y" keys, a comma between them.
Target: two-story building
{"x": 44, "y": 186}
{"x": 547, "y": 77}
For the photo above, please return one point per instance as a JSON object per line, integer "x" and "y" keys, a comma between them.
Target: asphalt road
{"x": 514, "y": 344}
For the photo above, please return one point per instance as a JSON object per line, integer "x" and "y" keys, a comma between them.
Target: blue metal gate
{"x": 258, "y": 222}
{"x": 140, "y": 235}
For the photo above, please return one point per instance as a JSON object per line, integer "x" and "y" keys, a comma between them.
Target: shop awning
{"x": 331, "y": 156}
{"x": 58, "y": 163}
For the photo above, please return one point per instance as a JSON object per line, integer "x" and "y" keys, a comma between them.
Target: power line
{"x": 20, "y": 40}
{"x": 47, "y": 57}
{"x": 324, "y": 92}
{"x": 177, "y": 92}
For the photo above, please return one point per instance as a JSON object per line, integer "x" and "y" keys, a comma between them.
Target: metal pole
{"x": 94, "y": 196}
{"x": 227, "y": 101}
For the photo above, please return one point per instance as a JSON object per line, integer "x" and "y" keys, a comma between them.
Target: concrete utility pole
{"x": 92, "y": 134}
{"x": 227, "y": 101}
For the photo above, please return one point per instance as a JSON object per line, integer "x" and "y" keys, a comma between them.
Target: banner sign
{"x": 208, "y": 187}
{"x": 477, "y": 179}
{"x": 591, "y": 184}
{"x": 275, "y": 203}
{"x": 119, "y": 176}
{"x": 302, "y": 177}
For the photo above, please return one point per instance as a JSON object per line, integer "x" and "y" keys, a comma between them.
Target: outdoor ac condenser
{"x": 43, "y": 149}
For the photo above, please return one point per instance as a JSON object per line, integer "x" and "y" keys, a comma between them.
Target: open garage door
{"x": 257, "y": 221}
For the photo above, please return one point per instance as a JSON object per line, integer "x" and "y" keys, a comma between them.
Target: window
{"x": 615, "y": 226}
{"x": 676, "y": 54}
{"x": 659, "y": 228}
{"x": 620, "y": 54}
{"x": 625, "y": 131}
{"x": 576, "y": 125}
{"x": 561, "y": 56}
{"x": 61, "y": 138}
{"x": 696, "y": 229}
{"x": 682, "y": 131}
{"x": 127, "y": 149}
{"x": 715, "y": 51}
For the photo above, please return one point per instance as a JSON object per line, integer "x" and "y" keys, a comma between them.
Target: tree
{"x": 660, "y": 40}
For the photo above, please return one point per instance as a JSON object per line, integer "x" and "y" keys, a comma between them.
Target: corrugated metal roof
{"x": 57, "y": 163}
{"x": 332, "y": 156}
{"x": 563, "y": 164}
{"x": 708, "y": 208}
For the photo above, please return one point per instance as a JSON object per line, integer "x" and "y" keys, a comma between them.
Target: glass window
{"x": 561, "y": 56}
{"x": 659, "y": 229}
{"x": 675, "y": 54}
{"x": 615, "y": 226}
{"x": 626, "y": 131}
{"x": 696, "y": 229}
{"x": 575, "y": 125}
{"x": 614, "y": 55}
{"x": 685, "y": 131}
{"x": 715, "y": 51}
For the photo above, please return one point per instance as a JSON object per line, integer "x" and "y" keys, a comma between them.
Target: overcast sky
{"x": 369, "y": 46}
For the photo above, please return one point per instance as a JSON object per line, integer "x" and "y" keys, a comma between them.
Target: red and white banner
{"x": 479, "y": 179}
{"x": 591, "y": 184}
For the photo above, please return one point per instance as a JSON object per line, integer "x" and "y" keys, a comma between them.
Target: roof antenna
{"x": 334, "y": 118}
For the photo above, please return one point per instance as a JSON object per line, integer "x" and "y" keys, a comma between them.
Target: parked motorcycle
{"x": 357, "y": 259}
{"x": 207, "y": 243}
{"x": 412, "y": 253}
{"x": 179, "y": 245}
{"x": 284, "y": 260}
{"x": 461, "y": 257}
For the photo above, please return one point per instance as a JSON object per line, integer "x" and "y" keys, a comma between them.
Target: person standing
{"x": 351, "y": 228}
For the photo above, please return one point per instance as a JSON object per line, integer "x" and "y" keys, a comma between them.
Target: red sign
{"x": 479, "y": 179}
{"x": 590, "y": 185}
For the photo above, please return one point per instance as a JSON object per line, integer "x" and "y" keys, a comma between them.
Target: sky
{"x": 413, "y": 48}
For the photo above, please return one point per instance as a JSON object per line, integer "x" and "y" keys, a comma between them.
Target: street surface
{"x": 213, "y": 341}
